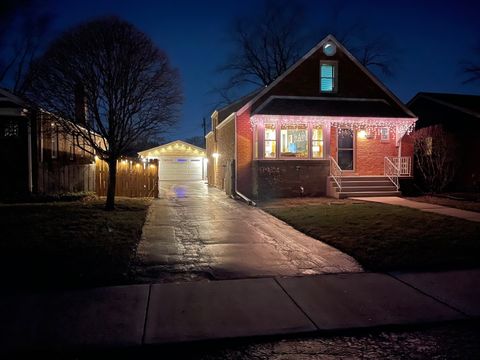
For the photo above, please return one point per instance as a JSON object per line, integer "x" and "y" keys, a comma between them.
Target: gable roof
{"x": 328, "y": 106}
{"x": 330, "y": 38}
{"x": 227, "y": 110}
{"x": 466, "y": 103}
{"x": 174, "y": 148}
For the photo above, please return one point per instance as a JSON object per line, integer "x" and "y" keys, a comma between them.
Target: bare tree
{"x": 435, "y": 157}
{"x": 125, "y": 85}
{"x": 24, "y": 29}
{"x": 471, "y": 68}
{"x": 267, "y": 45}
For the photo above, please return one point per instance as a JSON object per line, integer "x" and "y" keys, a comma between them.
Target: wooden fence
{"x": 135, "y": 178}
{"x": 67, "y": 178}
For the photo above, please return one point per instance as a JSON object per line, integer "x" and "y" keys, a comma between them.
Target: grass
{"x": 388, "y": 238}
{"x": 69, "y": 244}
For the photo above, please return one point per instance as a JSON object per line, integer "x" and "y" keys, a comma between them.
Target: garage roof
{"x": 174, "y": 148}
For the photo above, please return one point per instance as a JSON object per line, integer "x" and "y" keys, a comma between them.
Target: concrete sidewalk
{"x": 138, "y": 315}
{"x": 433, "y": 208}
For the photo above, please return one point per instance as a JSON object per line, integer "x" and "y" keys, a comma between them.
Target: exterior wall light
{"x": 362, "y": 134}
{"x": 216, "y": 155}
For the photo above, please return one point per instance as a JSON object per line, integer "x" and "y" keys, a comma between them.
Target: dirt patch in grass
{"x": 69, "y": 244}
{"x": 385, "y": 237}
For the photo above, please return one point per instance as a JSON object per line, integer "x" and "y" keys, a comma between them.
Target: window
{"x": 54, "y": 141}
{"x": 384, "y": 134}
{"x": 270, "y": 141}
{"x": 345, "y": 149}
{"x": 317, "y": 142}
{"x": 294, "y": 141}
{"x": 328, "y": 77}
{"x": 11, "y": 129}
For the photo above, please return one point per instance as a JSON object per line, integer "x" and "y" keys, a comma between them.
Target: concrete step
{"x": 363, "y": 178}
{"x": 364, "y": 183}
{"x": 367, "y": 188}
{"x": 343, "y": 195}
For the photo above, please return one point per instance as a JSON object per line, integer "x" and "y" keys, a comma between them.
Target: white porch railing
{"x": 391, "y": 171}
{"x": 403, "y": 163}
{"x": 336, "y": 173}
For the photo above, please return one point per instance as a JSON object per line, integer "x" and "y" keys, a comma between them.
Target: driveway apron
{"x": 196, "y": 232}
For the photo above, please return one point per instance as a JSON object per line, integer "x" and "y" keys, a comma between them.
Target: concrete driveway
{"x": 196, "y": 232}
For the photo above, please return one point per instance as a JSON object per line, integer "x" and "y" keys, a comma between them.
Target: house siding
{"x": 244, "y": 140}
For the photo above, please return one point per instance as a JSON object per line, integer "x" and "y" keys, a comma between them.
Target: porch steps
{"x": 362, "y": 186}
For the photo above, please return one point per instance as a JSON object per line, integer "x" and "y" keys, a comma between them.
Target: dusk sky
{"x": 433, "y": 37}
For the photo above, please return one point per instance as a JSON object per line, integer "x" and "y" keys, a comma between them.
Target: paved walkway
{"x": 194, "y": 231}
{"x": 139, "y": 315}
{"x": 437, "y": 209}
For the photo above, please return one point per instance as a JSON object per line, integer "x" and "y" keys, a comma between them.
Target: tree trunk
{"x": 112, "y": 181}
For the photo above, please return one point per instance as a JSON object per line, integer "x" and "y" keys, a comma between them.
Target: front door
{"x": 345, "y": 150}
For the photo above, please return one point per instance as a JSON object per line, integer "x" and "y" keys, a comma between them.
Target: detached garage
{"x": 178, "y": 160}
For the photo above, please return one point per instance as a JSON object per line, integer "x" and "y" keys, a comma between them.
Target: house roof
{"x": 227, "y": 110}
{"x": 322, "y": 106}
{"x": 469, "y": 104}
{"x": 174, "y": 148}
{"x": 405, "y": 110}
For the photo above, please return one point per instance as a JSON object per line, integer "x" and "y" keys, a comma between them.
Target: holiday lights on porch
{"x": 397, "y": 126}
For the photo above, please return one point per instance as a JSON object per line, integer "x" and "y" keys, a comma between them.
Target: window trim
{"x": 335, "y": 76}
{"x": 274, "y": 140}
{"x": 307, "y": 129}
{"x": 381, "y": 134}
{"x": 354, "y": 144}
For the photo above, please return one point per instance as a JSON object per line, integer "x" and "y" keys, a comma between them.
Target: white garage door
{"x": 180, "y": 168}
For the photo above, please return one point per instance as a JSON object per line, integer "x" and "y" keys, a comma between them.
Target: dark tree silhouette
{"x": 24, "y": 29}
{"x": 124, "y": 84}
{"x": 268, "y": 44}
{"x": 471, "y": 68}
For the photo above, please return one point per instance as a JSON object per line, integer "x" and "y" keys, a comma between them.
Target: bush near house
{"x": 388, "y": 238}
{"x": 68, "y": 244}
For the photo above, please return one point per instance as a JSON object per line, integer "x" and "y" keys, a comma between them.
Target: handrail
{"x": 391, "y": 171}
{"x": 403, "y": 163}
{"x": 336, "y": 173}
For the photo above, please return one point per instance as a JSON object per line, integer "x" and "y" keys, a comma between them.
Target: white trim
{"x": 333, "y": 63}
{"x": 310, "y": 53}
{"x": 210, "y": 133}
{"x": 226, "y": 121}
{"x": 144, "y": 153}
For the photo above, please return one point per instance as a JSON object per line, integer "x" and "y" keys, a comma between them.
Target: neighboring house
{"x": 178, "y": 160}
{"x": 36, "y": 156}
{"x": 459, "y": 116}
{"x": 325, "y": 126}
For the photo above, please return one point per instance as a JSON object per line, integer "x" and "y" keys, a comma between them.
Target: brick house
{"x": 36, "y": 155}
{"x": 458, "y": 116}
{"x": 326, "y": 126}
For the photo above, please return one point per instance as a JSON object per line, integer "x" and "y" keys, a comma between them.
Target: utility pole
{"x": 204, "y": 134}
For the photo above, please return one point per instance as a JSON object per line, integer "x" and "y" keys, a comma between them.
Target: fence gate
{"x": 135, "y": 178}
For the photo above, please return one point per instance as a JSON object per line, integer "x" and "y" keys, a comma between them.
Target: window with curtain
{"x": 294, "y": 141}
{"x": 317, "y": 142}
{"x": 270, "y": 148}
{"x": 327, "y": 77}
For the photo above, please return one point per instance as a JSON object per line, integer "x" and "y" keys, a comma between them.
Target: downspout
{"x": 249, "y": 201}
{"x": 29, "y": 142}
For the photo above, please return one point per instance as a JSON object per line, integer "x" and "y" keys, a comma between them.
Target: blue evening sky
{"x": 434, "y": 36}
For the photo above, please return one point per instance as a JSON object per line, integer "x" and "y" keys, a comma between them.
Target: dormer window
{"x": 328, "y": 77}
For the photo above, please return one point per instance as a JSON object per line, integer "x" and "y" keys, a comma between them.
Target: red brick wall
{"x": 244, "y": 153}
{"x": 370, "y": 153}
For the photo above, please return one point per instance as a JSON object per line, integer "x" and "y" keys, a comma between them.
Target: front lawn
{"x": 385, "y": 237}
{"x": 68, "y": 244}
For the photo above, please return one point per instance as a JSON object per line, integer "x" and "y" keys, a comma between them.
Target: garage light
{"x": 216, "y": 155}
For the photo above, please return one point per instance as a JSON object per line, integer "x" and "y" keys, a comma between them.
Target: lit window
{"x": 317, "y": 142}
{"x": 294, "y": 141}
{"x": 384, "y": 134}
{"x": 270, "y": 141}
{"x": 11, "y": 129}
{"x": 327, "y": 77}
